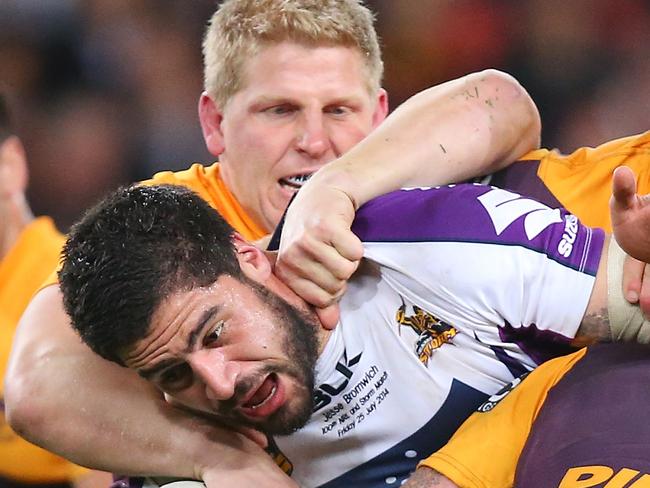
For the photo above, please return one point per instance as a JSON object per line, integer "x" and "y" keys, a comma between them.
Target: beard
{"x": 300, "y": 345}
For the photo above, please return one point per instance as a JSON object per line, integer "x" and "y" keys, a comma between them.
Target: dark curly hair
{"x": 130, "y": 251}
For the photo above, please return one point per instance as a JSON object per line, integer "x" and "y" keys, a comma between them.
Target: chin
{"x": 293, "y": 416}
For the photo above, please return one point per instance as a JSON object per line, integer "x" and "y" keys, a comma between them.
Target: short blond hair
{"x": 239, "y": 28}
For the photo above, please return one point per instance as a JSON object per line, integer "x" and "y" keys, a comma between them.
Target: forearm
{"x": 609, "y": 316}
{"x": 428, "y": 478}
{"x": 448, "y": 133}
{"x": 64, "y": 398}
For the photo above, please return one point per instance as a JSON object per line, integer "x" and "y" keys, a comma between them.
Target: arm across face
{"x": 448, "y": 133}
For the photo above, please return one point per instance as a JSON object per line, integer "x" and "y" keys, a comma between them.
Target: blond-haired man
{"x": 290, "y": 86}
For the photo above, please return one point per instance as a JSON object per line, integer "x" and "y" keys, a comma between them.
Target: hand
{"x": 318, "y": 252}
{"x": 258, "y": 474}
{"x": 256, "y": 436}
{"x": 630, "y": 215}
{"x": 636, "y": 283}
{"x": 428, "y": 478}
{"x": 243, "y": 464}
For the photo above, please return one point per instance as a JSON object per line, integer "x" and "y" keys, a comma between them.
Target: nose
{"x": 313, "y": 137}
{"x": 217, "y": 373}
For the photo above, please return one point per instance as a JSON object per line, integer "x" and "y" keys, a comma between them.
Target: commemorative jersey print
{"x": 324, "y": 392}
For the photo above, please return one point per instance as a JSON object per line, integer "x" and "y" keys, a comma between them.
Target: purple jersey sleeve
{"x": 480, "y": 214}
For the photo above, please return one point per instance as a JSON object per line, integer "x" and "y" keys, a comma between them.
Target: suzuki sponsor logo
{"x": 569, "y": 236}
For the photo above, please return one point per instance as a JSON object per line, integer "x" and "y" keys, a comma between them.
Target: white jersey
{"x": 462, "y": 289}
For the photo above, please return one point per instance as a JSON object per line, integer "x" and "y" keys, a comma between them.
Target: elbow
{"x": 36, "y": 380}
{"x": 524, "y": 115}
{"x": 23, "y": 411}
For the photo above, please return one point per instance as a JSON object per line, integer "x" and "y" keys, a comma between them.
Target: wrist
{"x": 342, "y": 176}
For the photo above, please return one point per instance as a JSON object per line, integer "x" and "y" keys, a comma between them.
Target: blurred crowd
{"x": 104, "y": 92}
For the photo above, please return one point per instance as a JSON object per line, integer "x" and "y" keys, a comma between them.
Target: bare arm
{"x": 448, "y": 133}
{"x": 595, "y": 323}
{"x": 428, "y": 478}
{"x": 463, "y": 128}
{"x": 62, "y": 396}
{"x": 609, "y": 317}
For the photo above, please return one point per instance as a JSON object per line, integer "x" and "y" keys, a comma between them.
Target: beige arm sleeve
{"x": 625, "y": 319}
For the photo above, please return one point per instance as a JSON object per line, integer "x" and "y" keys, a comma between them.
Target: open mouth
{"x": 266, "y": 399}
{"x": 295, "y": 182}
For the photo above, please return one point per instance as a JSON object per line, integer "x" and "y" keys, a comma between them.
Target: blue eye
{"x": 280, "y": 109}
{"x": 338, "y": 110}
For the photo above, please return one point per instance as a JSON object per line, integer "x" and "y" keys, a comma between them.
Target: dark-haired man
{"x": 426, "y": 332}
{"x": 290, "y": 85}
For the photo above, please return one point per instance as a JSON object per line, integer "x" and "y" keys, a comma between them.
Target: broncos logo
{"x": 433, "y": 332}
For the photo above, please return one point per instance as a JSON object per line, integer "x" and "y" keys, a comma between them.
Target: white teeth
{"x": 297, "y": 180}
{"x": 266, "y": 399}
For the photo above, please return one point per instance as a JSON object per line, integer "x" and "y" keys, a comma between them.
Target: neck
{"x": 15, "y": 215}
{"x": 323, "y": 333}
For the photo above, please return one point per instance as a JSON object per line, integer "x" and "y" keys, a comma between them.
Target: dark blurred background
{"x": 105, "y": 91}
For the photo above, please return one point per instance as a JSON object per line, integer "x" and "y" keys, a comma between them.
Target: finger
{"x": 339, "y": 253}
{"x": 321, "y": 264}
{"x": 348, "y": 245}
{"x": 623, "y": 187}
{"x": 299, "y": 275}
{"x": 313, "y": 294}
{"x": 633, "y": 270}
{"x": 644, "y": 297}
{"x": 328, "y": 259}
{"x": 329, "y": 316}
{"x": 308, "y": 257}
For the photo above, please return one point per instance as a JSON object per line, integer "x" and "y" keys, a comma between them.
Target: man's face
{"x": 300, "y": 107}
{"x": 234, "y": 350}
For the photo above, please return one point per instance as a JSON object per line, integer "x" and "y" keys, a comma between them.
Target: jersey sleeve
{"x": 487, "y": 256}
{"x": 581, "y": 181}
{"x": 484, "y": 452}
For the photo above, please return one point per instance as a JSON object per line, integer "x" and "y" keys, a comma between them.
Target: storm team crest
{"x": 432, "y": 332}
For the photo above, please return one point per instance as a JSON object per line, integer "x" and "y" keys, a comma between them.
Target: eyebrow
{"x": 206, "y": 317}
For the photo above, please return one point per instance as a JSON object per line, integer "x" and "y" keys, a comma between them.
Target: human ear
{"x": 253, "y": 261}
{"x": 13, "y": 167}
{"x": 211, "y": 117}
{"x": 381, "y": 109}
